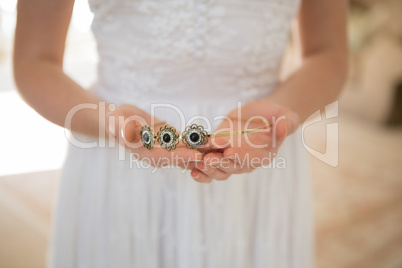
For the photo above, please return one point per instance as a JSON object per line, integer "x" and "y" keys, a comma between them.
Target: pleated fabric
{"x": 110, "y": 215}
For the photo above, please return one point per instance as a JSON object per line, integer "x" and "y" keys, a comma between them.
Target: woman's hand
{"x": 125, "y": 123}
{"x": 316, "y": 83}
{"x": 242, "y": 153}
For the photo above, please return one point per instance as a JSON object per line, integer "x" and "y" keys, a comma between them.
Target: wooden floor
{"x": 358, "y": 205}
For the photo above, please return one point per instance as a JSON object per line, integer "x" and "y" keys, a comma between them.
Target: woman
{"x": 180, "y": 62}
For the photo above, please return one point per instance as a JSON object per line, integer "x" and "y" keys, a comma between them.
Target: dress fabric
{"x": 191, "y": 59}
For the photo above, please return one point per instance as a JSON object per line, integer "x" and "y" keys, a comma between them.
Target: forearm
{"x": 46, "y": 88}
{"x": 39, "y": 44}
{"x": 315, "y": 84}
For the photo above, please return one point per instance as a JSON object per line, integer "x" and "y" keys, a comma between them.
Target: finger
{"x": 250, "y": 158}
{"x": 130, "y": 132}
{"x": 280, "y": 128}
{"x": 167, "y": 162}
{"x": 179, "y": 155}
{"x": 206, "y": 150}
{"x": 217, "y": 160}
{"x": 127, "y": 120}
{"x": 127, "y": 134}
{"x": 212, "y": 172}
{"x": 218, "y": 143}
{"x": 198, "y": 176}
{"x": 231, "y": 138}
{"x": 293, "y": 122}
{"x": 119, "y": 116}
{"x": 273, "y": 114}
{"x": 284, "y": 126}
{"x": 187, "y": 166}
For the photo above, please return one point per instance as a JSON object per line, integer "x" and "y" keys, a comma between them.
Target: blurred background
{"x": 357, "y": 192}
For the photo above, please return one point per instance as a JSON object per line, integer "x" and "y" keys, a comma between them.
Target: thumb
{"x": 292, "y": 122}
{"x": 130, "y": 132}
{"x": 286, "y": 125}
{"x": 122, "y": 126}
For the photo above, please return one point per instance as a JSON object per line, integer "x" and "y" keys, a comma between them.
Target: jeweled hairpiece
{"x": 194, "y": 136}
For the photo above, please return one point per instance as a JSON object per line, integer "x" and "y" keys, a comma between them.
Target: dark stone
{"x": 146, "y": 137}
{"x": 194, "y": 137}
{"x": 166, "y": 138}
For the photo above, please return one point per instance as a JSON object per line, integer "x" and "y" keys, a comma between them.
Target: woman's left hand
{"x": 242, "y": 153}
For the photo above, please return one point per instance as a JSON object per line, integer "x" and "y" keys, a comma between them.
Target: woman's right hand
{"x": 125, "y": 123}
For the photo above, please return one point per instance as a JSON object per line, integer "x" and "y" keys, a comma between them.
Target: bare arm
{"x": 322, "y": 29}
{"x": 38, "y": 68}
{"x": 38, "y": 64}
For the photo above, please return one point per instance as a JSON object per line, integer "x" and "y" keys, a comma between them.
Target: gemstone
{"x": 194, "y": 137}
{"x": 166, "y": 137}
{"x": 146, "y": 137}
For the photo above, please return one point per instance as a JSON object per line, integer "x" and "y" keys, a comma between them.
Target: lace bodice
{"x": 164, "y": 47}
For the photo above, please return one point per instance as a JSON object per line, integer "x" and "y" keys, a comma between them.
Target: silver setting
{"x": 146, "y": 130}
{"x": 202, "y": 137}
{"x": 173, "y": 137}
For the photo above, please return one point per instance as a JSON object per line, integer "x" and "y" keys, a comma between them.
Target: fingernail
{"x": 122, "y": 133}
{"x": 111, "y": 130}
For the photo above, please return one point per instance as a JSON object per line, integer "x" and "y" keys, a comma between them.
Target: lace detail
{"x": 146, "y": 45}
{"x": 185, "y": 33}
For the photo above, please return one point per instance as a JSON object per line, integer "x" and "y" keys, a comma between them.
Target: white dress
{"x": 202, "y": 56}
